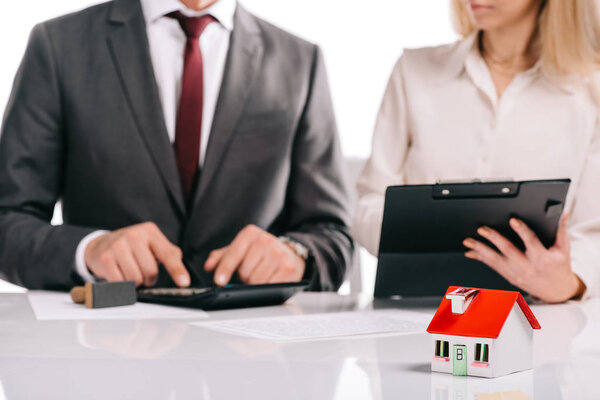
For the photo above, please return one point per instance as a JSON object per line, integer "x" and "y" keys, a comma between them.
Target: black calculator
{"x": 220, "y": 298}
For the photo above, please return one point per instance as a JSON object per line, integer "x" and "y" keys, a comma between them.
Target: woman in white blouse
{"x": 516, "y": 97}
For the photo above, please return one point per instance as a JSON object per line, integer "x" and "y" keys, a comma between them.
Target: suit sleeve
{"x": 318, "y": 199}
{"x": 34, "y": 253}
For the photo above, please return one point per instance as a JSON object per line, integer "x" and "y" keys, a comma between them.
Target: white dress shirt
{"x": 441, "y": 119}
{"x": 167, "y": 46}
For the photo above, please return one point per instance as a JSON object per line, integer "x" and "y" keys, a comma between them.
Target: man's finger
{"x": 264, "y": 271}
{"x": 562, "y": 236}
{"x": 280, "y": 277}
{"x": 129, "y": 267}
{"x": 214, "y": 258}
{"x": 171, "y": 257}
{"x": 529, "y": 238}
{"x": 147, "y": 263}
{"x": 286, "y": 273}
{"x": 252, "y": 260}
{"x": 113, "y": 273}
{"x": 235, "y": 254}
{"x": 503, "y": 244}
{"x": 228, "y": 264}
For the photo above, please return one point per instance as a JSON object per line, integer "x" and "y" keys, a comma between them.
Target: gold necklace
{"x": 505, "y": 66}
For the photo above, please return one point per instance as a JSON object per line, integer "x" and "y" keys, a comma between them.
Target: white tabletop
{"x": 170, "y": 359}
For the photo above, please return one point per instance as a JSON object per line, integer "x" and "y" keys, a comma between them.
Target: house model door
{"x": 459, "y": 360}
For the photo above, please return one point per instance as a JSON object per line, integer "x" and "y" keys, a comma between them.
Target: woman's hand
{"x": 543, "y": 273}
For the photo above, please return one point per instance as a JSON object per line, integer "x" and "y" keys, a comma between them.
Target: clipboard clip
{"x": 475, "y": 189}
{"x": 476, "y": 180}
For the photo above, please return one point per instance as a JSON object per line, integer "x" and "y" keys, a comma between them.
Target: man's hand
{"x": 258, "y": 257}
{"x": 133, "y": 253}
{"x": 544, "y": 273}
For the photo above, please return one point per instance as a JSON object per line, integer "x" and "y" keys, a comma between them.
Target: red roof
{"x": 484, "y": 317}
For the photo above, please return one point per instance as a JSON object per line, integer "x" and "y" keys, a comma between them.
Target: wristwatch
{"x": 301, "y": 250}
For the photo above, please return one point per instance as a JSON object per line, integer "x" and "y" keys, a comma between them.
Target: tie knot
{"x": 192, "y": 26}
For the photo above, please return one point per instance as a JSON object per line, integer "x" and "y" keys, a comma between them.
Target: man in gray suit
{"x": 189, "y": 135}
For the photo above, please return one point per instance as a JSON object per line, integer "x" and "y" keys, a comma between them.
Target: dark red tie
{"x": 189, "y": 115}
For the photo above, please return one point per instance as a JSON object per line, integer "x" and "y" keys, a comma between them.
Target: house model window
{"x": 442, "y": 348}
{"x": 481, "y": 352}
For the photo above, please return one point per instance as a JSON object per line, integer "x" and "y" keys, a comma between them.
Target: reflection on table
{"x": 170, "y": 359}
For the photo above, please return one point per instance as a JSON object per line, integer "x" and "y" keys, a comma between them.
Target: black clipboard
{"x": 421, "y": 251}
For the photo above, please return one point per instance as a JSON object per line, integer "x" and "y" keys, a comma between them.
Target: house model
{"x": 482, "y": 332}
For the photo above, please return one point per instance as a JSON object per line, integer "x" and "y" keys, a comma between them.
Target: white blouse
{"x": 441, "y": 119}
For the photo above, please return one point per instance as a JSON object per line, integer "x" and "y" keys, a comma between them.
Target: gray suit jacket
{"x": 84, "y": 125}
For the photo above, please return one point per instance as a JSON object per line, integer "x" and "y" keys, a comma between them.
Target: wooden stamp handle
{"x": 78, "y": 294}
{"x": 83, "y": 295}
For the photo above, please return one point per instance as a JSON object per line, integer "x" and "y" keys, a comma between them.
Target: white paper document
{"x": 324, "y": 326}
{"x": 59, "y": 306}
{"x": 7, "y": 287}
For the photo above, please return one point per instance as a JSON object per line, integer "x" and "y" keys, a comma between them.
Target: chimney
{"x": 461, "y": 298}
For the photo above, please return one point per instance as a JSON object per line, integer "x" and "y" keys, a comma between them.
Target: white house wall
{"x": 470, "y": 342}
{"x": 514, "y": 346}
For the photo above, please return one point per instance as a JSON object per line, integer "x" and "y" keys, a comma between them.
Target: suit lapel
{"x": 244, "y": 59}
{"x": 128, "y": 45}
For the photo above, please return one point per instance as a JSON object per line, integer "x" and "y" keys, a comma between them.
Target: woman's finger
{"x": 484, "y": 253}
{"x": 491, "y": 258}
{"x": 562, "y": 237}
{"x": 529, "y": 238}
{"x": 503, "y": 244}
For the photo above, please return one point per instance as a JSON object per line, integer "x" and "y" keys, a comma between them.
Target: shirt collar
{"x": 222, "y": 10}
{"x": 466, "y": 52}
{"x": 465, "y": 57}
{"x": 456, "y": 59}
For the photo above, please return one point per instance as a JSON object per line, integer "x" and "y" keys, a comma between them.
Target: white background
{"x": 361, "y": 42}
